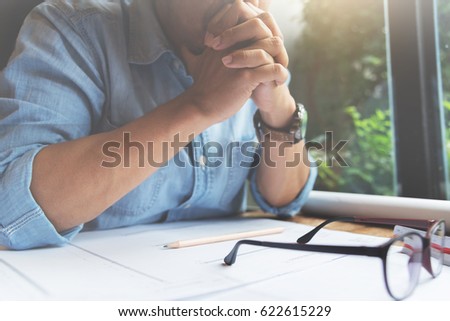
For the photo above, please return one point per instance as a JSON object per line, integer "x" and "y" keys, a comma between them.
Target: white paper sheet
{"x": 132, "y": 264}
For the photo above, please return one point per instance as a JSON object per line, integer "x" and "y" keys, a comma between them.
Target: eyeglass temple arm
{"x": 351, "y": 250}
{"x": 308, "y": 236}
{"x": 414, "y": 223}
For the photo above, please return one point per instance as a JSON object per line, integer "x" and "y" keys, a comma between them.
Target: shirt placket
{"x": 202, "y": 174}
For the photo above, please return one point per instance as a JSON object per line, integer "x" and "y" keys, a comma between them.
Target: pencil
{"x": 222, "y": 238}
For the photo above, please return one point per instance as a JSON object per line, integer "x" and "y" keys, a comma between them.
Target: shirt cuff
{"x": 23, "y": 224}
{"x": 290, "y": 209}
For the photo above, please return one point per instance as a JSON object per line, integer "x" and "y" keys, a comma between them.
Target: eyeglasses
{"x": 402, "y": 255}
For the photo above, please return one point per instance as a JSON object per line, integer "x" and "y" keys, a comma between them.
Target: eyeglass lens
{"x": 403, "y": 263}
{"x": 437, "y": 237}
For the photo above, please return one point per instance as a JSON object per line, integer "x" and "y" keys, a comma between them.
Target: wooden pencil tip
{"x": 174, "y": 245}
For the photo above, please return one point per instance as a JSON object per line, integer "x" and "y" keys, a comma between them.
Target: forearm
{"x": 71, "y": 182}
{"x": 283, "y": 172}
{"x": 284, "y": 169}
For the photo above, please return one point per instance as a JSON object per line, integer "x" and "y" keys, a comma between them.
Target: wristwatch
{"x": 293, "y": 133}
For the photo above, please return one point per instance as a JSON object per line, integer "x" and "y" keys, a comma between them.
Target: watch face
{"x": 304, "y": 121}
{"x": 298, "y": 134}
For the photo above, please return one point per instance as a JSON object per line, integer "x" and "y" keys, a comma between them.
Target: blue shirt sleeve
{"x": 47, "y": 95}
{"x": 290, "y": 209}
{"x": 23, "y": 223}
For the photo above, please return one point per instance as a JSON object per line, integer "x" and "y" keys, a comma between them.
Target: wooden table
{"x": 369, "y": 229}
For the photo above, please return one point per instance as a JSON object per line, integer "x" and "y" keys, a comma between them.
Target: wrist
{"x": 200, "y": 106}
{"x": 281, "y": 116}
{"x": 194, "y": 109}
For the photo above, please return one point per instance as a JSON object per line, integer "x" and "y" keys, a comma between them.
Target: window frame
{"x": 416, "y": 98}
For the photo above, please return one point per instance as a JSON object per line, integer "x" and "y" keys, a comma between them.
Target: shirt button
{"x": 176, "y": 65}
{"x": 202, "y": 161}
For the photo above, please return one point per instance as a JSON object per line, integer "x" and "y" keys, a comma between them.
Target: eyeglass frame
{"x": 379, "y": 251}
{"x": 427, "y": 225}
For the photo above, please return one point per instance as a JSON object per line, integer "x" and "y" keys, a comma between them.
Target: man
{"x": 109, "y": 111}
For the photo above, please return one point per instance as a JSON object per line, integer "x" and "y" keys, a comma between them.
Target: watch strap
{"x": 292, "y": 133}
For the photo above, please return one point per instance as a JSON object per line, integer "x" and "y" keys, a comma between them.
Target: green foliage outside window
{"x": 447, "y": 109}
{"x": 444, "y": 40}
{"x": 368, "y": 153}
{"x": 340, "y": 61}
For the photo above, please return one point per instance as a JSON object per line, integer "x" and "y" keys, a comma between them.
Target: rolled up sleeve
{"x": 24, "y": 224}
{"x": 47, "y": 94}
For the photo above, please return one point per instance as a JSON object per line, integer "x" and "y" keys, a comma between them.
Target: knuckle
{"x": 276, "y": 41}
{"x": 261, "y": 54}
{"x": 277, "y": 68}
{"x": 228, "y": 34}
{"x": 245, "y": 55}
{"x": 258, "y": 23}
{"x": 266, "y": 16}
{"x": 240, "y": 5}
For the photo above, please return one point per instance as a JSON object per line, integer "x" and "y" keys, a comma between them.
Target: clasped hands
{"x": 245, "y": 58}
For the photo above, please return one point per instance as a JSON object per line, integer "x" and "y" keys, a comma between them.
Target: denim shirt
{"x": 84, "y": 67}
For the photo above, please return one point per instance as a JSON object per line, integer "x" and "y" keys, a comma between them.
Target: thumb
{"x": 190, "y": 60}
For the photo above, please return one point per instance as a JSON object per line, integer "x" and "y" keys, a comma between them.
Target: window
{"x": 444, "y": 52}
{"x": 417, "y": 102}
{"x": 338, "y": 62}
{"x": 375, "y": 73}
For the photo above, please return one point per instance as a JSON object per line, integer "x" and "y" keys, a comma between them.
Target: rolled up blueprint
{"x": 346, "y": 204}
